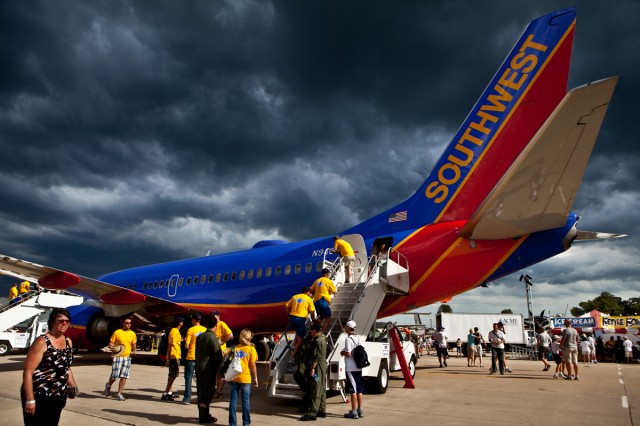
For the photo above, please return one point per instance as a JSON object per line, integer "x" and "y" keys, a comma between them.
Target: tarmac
{"x": 607, "y": 394}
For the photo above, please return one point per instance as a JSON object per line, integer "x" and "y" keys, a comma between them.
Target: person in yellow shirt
{"x": 25, "y": 287}
{"x": 190, "y": 362}
{"x": 298, "y": 308}
{"x": 224, "y": 334}
{"x": 322, "y": 290}
{"x": 121, "y": 363}
{"x": 173, "y": 357}
{"x": 348, "y": 256}
{"x": 13, "y": 291}
{"x": 241, "y": 384}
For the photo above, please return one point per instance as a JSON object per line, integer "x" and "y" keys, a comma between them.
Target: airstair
{"x": 360, "y": 300}
{"x": 25, "y": 318}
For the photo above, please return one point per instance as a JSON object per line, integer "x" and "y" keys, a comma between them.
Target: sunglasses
{"x": 62, "y": 321}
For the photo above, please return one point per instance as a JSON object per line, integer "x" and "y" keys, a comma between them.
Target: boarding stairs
{"x": 31, "y": 304}
{"x": 359, "y": 300}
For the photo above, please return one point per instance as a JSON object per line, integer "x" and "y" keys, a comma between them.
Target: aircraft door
{"x": 172, "y": 289}
{"x": 360, "y": 251}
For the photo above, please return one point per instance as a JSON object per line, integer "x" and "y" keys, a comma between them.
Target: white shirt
{"x": 627, "y": 345}
{"x": 496, "y": 337}
{"x": 441, "y": 338}
{"x": 350, "y": 344}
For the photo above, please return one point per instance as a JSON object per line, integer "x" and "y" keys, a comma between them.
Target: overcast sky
{"x": 135, "y": 132}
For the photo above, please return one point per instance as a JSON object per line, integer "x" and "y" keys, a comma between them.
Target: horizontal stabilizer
{"x": 539, "y": 189}
{"x": 591, "y": 235}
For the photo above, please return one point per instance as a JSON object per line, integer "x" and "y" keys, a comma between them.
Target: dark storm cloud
{"x": 139, "y": 132}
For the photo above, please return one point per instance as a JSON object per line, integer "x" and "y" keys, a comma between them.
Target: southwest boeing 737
{"x": 498, "y": 200}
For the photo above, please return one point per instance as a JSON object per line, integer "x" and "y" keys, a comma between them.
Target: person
{"x": 121, "y": 362}
{"x": 504, "y": 358}
{"x": 47, "y": 377}
{"x": 298, "y": 308}
{"x": 585, "y": 348}
{"x": 496, "y": 338}
{"x": 569, "y": 343}
{"x": 557, "y": 356}
{"x": 224, "y": 334}
{"x": 458, "y": 348}
{"x": 348, "y": 256}
{"x": 25, "y": 287}
{"x": 618, "y": 349}
{"x": 13, "y": 292}
{"x": 441, "y": 346}
{"x": 471, "y": 350}
{"x": 208, "y": 357}
{"x": 174, "y": 354}
{"x": 353, "y": 385}
{"x": 592, "y": 347}
{"x": 241, "y": 384}
{"x": 543, "y": 340}
{"x": 628, "y": 350}
{"x": 478, "y": 342}
{"x": 600, "y": 349}
{"x": 322, "y": 290}
{"x": 316, "y": 374}
{"x": 190, "y": 362}
{"x": 610, "y": 347}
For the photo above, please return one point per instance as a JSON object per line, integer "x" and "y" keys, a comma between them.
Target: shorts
{"x": 120, "y": 366}
{"x": 542, "y": 353}
{"x": 299, "y": 324}
{"x": 349, "y": 261}
{"x": 570, "y": 356}
{"x": 174, "y": 368}
{"x": 628, "y": 354}
{"x": 442, "y": 352}
{"x": 353, "y": 384}
{"x": 322, "y": 308}
{"x": 471, "y": 350}
{"x": 557, "y": 358}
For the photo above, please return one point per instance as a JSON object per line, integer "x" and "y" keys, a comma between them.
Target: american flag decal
{"x": 398, "y": 217}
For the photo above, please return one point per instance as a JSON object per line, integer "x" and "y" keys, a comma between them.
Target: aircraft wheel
{"x": 4, "y": 348}
{"x": 263, "y": 350}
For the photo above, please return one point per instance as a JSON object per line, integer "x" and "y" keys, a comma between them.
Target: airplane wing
{"x": 115, "y": 301}
{"x": 539, "y": 189}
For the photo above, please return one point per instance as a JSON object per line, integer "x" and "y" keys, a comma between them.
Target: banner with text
{"x": 575, "y": 322}
{"x": 620, "y": 322}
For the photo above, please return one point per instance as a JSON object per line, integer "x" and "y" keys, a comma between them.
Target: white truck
{"x": 457, "y": 326}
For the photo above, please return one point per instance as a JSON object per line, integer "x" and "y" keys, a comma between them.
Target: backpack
{"x": 360, "y": 356}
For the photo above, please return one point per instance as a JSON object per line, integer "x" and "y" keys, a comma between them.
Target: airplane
{"x": 498, "y": 200}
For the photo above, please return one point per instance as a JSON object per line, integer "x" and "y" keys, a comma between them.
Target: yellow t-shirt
{"x": 300, "y": 305}
{"x": 222, "y": 331}
{"x": 25, "y": 287}
{"x": 343, "y": 247}
{"x": 323, "y": 287}
{"x": 126, "y": 338}
{"x": 173, "y": 349}
{"x": 13, "y": 293}
{"x": 190, "y": 338}
{"x": 247, "y": 355}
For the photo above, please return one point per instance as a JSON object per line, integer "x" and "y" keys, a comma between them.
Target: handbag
{"x": 235, "y": 368}
{"x": 71, "y": 391}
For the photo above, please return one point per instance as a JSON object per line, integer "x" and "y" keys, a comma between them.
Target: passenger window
{"x": 161, "y": 283}
{"x": 267, "y": 272}
{"x": 203, "y": 279}
{"x": 287, "y": 270}
{"x": 318, "y": 266}
{"x": 226, "y": 276}
{"x": 218, "y": 276}
{"x": 250, "y": 274}
{"x": 298, "y": 268}
{"x": 210, "y": 278}
{"x": 155, "y": 284}
{"x": 278, "y": 270}
{"x": 241, "y": 275}
{"x": 144, "y": 286}
{"x": 188, "y": 280}
{"x": 233, "y": 276}
{"x": 307, "y": 267}
{"x": 180, "y": 281}
{"x": 259, "y": 273}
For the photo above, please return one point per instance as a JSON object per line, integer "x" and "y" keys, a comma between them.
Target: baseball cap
{"x": 215, "y": 313}
{"x": 316, "y": 327}
{"x": 196, "y": 316}
{"x": 351, "y": 324}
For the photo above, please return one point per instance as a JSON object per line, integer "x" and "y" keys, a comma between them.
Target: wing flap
{"x": 539, "y": 189}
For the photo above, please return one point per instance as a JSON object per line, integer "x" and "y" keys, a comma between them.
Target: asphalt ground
{"x": 607, "y": 394}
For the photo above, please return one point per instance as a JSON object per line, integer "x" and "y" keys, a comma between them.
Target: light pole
{"x": 527, "y": 286}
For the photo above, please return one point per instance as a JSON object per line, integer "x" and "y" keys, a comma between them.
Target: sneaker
{"x": 360, "y": 413}
{"x": 567, "y": 378}
{"x": 562, "y": 376}
{"x": 492, "y": 372}
{"x": 185, "y": 402}
{"x": 307, "y": 417}
{"x": 555, "y": 375}
{"x": 107, "y": 390}
{"x": 167, "y": 397}
{"x": 321, "y": 414}
{"x": 508, "y": 370}
{"x": 121, "y": 397}
{"x": 445, "y": 363}
{"x": 351, "y": 415}
{"x": 577, "y": 378}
